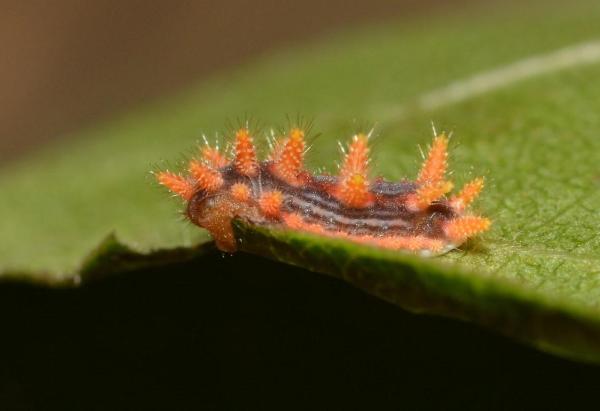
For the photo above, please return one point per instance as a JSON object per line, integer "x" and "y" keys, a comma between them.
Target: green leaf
{"x": 521, "y": 98}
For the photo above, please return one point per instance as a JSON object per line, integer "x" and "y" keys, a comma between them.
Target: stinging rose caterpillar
{"x": 417, "y": 216}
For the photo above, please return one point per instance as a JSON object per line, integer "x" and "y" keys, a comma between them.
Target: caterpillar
{"x": 416, "y": 216}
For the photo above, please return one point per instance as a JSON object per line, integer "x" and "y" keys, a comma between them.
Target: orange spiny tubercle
{"x": 213, "y": 157}
{"x": 356, "y": 160}
{"x": 270, "y": 203}
{"x": 469, "y": 193}
{"x": 176, "y": 184}
{"x": 206, "y": 177}
{"x": 464, "y": 227}
{"x": 241, "y": 192}
{"x": 245, "y": 154}
{"x": 288, "y": 158}
{"x": 434, "y": 166}
{"x": 353, "y": 186}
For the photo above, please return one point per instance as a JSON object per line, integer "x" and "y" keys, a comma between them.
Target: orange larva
{"x": 416, "y": 216}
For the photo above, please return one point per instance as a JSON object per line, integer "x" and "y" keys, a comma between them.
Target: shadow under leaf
{"x": 243, "y": 332}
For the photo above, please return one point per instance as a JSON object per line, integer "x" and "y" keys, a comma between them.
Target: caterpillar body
{"x": 416, "y": 216}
